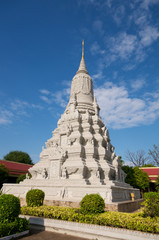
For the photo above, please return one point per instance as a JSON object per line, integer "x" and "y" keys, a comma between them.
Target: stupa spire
{"x": 82, "y": 67}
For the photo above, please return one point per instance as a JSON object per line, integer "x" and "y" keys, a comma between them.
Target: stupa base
{"x": 111, "y": 192}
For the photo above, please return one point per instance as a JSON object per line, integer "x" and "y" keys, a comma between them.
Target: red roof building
{"x": 152, "y": 172}
{"x": 15, "y": 169}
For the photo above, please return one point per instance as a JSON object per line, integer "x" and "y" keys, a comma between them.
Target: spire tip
{"x": 83, "y": 49}
{"x": 82, "y": 67}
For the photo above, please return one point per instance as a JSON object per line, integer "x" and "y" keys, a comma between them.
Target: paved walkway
{"x": 44, "y": 235}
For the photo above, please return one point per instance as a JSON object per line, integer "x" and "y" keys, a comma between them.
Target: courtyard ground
{"x": 45, "y": 235}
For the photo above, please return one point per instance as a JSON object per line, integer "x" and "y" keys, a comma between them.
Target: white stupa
{"x": 79, "y": 157}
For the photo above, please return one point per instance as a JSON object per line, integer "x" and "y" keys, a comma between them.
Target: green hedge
{"x": 151, "y": 204}
{"x": 10, "y": 223}
{"x": 9, "y": 228}
{"x": 131, "y": 221}
{"x": 9, "y": 207}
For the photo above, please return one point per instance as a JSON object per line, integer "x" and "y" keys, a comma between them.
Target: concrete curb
{"x": 89, "y": 231}
{"x": 16, "y": 235}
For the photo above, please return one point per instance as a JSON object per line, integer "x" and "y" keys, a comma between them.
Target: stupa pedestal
{"x": 79, "y": 158}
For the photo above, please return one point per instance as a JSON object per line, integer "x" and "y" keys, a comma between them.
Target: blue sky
{"x": 40, "y": 52}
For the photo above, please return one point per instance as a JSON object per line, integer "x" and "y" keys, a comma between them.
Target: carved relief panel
{"x": 55, "y": 169}
{"x": 82, "y": 83}
{"x": 63, "y": 140}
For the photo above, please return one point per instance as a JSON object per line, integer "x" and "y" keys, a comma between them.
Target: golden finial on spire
{"x": 83, "y": 49}
{"x": 82, "y": 66}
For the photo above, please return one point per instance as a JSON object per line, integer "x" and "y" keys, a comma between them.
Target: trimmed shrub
{"x": 132, "y": 221}
{"x": 151, "y": 204}
{"x": 35, "y": 198}
{"x": 9, "y": 207}
{"x": 92, "y": 203}
{"x": 9, "y": 228}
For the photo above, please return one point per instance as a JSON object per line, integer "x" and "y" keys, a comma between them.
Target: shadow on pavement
{"x": 45, "y": 235}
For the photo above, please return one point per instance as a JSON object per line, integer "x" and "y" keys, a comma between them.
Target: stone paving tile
{"x": 44, "y": 235}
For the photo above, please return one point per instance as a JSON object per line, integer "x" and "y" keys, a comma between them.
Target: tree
{"x": 157, "y": 184}
{"x": 22, "y": 177}
{"x": 142, "y": 179}
{"x": 3, "y": 174}
{"x": 18, "y": 156}
{"x": 130, "y": 179}
{"x": 136, "y": 178}
{"x": 154, "y": 154}
{"x": 148, "y": 165}
{"x": 137, "y": 158}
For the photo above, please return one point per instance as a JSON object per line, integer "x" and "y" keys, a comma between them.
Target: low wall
{"x": 126, "y": 206}
{"x": 89, "y": 231}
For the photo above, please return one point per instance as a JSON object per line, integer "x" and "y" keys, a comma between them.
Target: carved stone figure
{"x": 117, "y": 165}
{"x": 44, "y": 173}
{"x": 98, "y": 173}
{"x": 27, "y": 176}
{"x": 64, "y": 173}
{"x": 123, "y": 175}
{"x": 96, "y": 107}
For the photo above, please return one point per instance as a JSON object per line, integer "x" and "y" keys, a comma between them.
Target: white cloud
{"x": 21, "y": 107}
{"x": 99, "y": 70}
{"x": 119, "y": 14}
{"x": 18, "y": 104}
{"x": 148, "y": 35}
{"x": 146, "y": 3}
{"x": 129, "y": 47}
{"x": 109, "y": 3}
{"x": 36, "y": 106}
{"x": 129, "y": 67}
{"x": 124, "y": 45}
{"x": 119, "y": 110}
{"x": 140, "y": 53}
{"x": 45, "y": 92}
{"x": 96, "y": 49}
{"x": 60, "y": 97}
{"x": 98, "y": 75}
{"x": 5, "y": 117}
{"x": 46, "y": 99}
{"x": 98, "y": 26}
{"x": 96, "y": 3}
{"x": 115, "y": 74}
{"x": 137, "y": 84}
{"x": 15, "y": 109}
{"x": 141, "y": 17}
